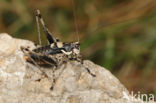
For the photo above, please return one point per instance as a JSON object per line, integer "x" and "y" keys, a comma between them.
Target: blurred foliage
{"x": 117, "y": 34}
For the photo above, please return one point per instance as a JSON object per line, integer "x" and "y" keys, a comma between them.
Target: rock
{"x": 22, "y": 82}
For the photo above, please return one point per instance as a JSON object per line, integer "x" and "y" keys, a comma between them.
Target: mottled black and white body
{"x": 55, "y": 52}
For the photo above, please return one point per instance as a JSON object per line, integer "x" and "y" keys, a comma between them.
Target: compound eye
{"x": 77, "y": 46}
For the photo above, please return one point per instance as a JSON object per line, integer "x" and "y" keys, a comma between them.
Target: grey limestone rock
{"x": 22, "y": 82}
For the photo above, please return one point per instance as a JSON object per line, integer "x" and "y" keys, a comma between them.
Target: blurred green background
{"x": 119, "y": 35}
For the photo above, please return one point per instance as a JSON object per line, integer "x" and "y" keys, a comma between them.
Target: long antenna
{"x": 75, "y": 19}
{"x": 38, "y": 31}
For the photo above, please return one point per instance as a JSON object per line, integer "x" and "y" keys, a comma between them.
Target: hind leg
{"x": 47, "y": 32}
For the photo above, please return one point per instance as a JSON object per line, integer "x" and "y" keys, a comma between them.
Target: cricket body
{"x": 55, "y": 52}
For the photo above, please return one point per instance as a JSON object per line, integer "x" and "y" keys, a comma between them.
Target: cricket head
{"x": 76, "y": 48}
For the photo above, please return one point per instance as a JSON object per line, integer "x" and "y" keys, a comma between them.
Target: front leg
{"x": 79, "y": 59}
